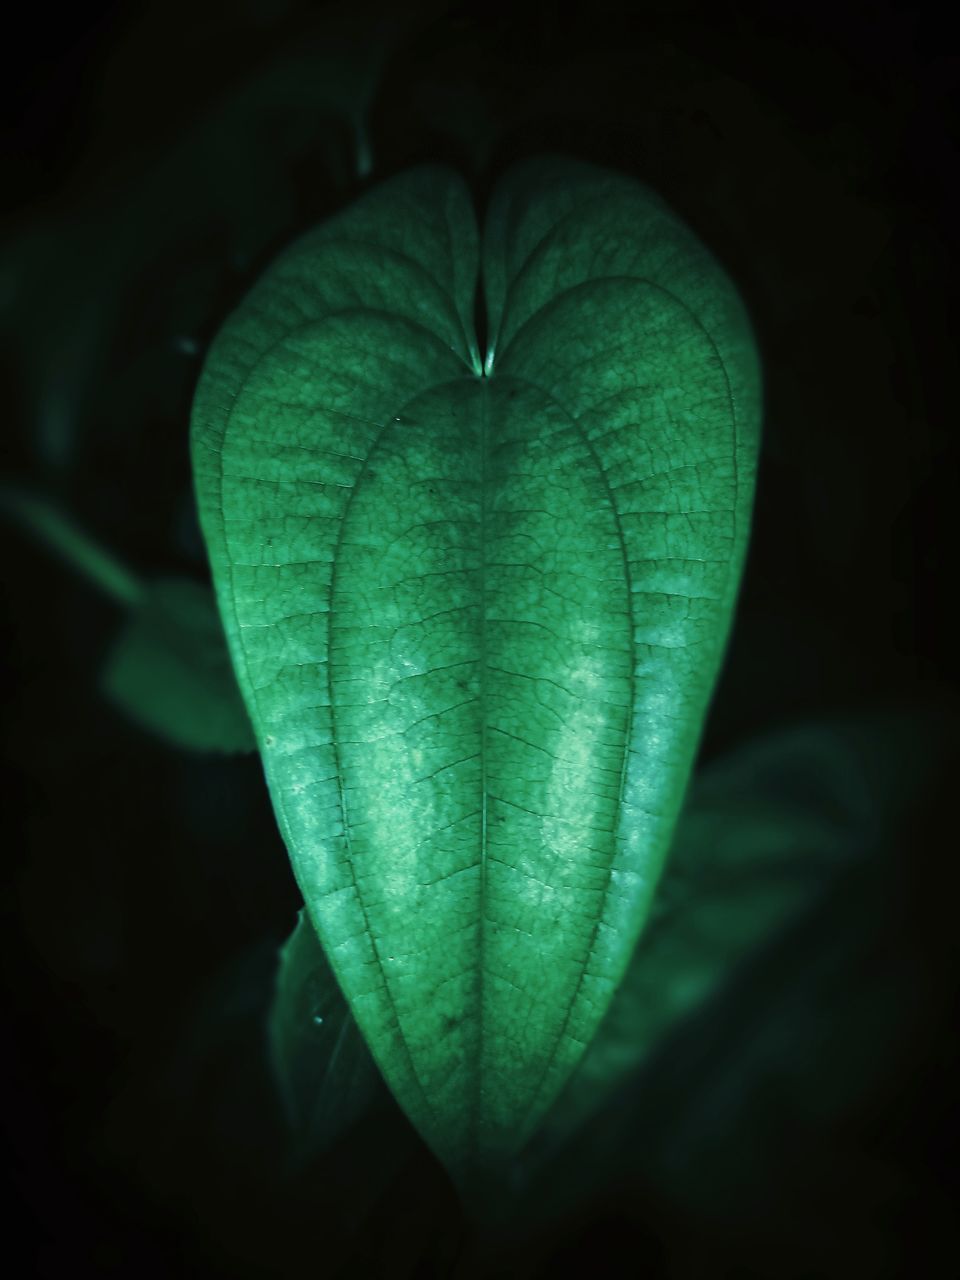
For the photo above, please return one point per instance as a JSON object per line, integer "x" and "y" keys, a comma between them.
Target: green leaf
{"x": 169, "y": 670}
{"x": 326, "y": 1075}
{"x": 477, "y": 607}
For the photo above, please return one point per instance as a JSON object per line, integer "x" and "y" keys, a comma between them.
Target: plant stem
{"x": 53, "y": 527}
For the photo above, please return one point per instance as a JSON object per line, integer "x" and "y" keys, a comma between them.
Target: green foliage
{"x": 477, "y": 606}
{"x": 170, "y": 671}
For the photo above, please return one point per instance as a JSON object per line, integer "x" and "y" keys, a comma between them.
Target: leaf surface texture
{"x": 477, "y": 602}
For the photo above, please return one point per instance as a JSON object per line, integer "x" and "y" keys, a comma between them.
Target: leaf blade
{"x": 424, "y": 581}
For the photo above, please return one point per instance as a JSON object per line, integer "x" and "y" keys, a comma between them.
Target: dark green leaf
{"x": 477, "y": 608}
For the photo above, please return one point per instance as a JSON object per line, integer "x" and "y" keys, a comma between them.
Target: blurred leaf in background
{"x": 170, "y": 671}
{"x": 324, "y": 1070}
{"x": 765, "y": 833}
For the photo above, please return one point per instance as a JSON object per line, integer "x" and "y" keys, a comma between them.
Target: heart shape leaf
{"x": 477, "y": 602}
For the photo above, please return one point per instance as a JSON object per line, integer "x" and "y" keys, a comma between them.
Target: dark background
{"x": 813, "y": 149}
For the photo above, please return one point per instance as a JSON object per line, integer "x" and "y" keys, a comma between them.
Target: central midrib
{"x": 481, "y": 936}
